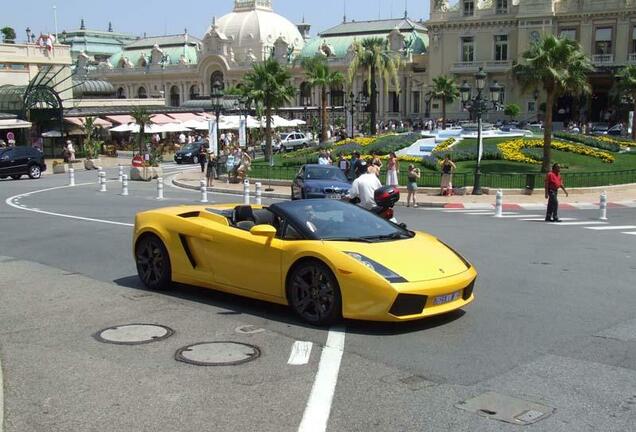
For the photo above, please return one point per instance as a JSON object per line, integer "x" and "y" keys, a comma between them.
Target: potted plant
{"x": 91, "y": 145}
{"x": 59, "y": 167}
{"x": 148, "y": 169}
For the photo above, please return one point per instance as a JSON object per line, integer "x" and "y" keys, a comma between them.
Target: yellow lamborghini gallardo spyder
{"x": 326, "y": 259}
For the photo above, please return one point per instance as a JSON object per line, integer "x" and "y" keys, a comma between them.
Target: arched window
{"x": 194, "y": 91}
{"x": 175, "y": 100}
{"x": 121, "y": 93}
{"x": 305, "y": 94}
{"x": 142, "y": 93}
{"x": 217, "y": 76}
{"x": 337, "y": 96}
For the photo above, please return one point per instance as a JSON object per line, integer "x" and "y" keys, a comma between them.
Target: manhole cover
{"x": 506, "y": 409}
{"x": 218, "y": 354}
{"x": 134, "y": 334}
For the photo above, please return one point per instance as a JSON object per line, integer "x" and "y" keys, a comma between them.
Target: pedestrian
{"x": 355, "y": 157}
{"x": 411, "y": 187}
{"x": 393, "y": 169}
{"x": 375, "y": 160}
{"x": 448, "y": 166}
{"x": 71, "y": 151}
{"x": 553, "y": 183}
{"x": 211, "y": 170}
{"x": 322, "y": 159}
{"x": 203, "y": 153}
{"x": 343, "y": 164}
{"x": 364, "y": 187}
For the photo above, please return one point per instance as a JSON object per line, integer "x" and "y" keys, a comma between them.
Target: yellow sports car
{"x": 326, "y": 259}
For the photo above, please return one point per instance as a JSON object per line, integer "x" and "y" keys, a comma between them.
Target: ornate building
{"x": 493, "y": 34}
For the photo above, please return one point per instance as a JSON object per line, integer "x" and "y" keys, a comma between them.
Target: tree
{"x": 268, "y": 87}
{"x": 319, "y": 75}
{"x": 143, "y": 119}
{"x": 8, "y": 35}
{"x": 91, "y": 145}
{"x": 512, "y": 110}
{"x": 374, "y": 59}
{"x": 559, "y": 67}
{"x": 626, "y": 86}
{"x": 444, "y": 89}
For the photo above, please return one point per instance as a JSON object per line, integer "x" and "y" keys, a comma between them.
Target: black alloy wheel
{"x": 35, "y": 172}
{"x": 153, "y": 263}
{"x": 314, "y": 294}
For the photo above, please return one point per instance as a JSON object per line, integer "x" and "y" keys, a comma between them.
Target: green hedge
{"x": 588, "y": 141}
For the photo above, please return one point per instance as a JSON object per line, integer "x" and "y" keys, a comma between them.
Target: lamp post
{"x": 217, "y": 95}
{"x": 356, "y": 104}
{"x": 478, "y": 106}
{"x": 305, "y": 108}
{"x": 28, "y": 33}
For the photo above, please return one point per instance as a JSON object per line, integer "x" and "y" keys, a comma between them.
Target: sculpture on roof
{"x": 251, "y": 58}
{"x": 326, "y": 49}
{"x": 441, "y": 5}
{"x": 290, "y": 54}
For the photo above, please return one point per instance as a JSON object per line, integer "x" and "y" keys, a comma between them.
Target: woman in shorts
{"x": 413, "y": 177}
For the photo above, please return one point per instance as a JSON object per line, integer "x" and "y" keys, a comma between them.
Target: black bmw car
{"x": 320, "y": 181}
{"x": 189, "y": 153}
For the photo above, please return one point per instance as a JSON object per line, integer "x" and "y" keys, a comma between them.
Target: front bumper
{"x": 406, "y": 301}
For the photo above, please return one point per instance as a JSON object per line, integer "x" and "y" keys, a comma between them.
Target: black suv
{"x": 189, "y": 153}
{"x": 18, "y": 161}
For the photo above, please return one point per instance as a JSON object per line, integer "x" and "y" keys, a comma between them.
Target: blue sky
{"x": 160, "y": 17}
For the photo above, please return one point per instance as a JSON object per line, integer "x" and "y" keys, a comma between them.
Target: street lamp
{"x": 217, "y": 95}
{"x": 478, "y": 106}
{"x": 28, "y": 33}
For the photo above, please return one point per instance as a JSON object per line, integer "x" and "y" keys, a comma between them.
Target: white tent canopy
{"x": 14, "y": 124}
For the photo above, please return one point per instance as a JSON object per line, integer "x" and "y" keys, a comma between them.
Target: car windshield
{"x": 324, "y": 173}
{"x": 190, "y": 147}
{"x": 339, "y": 221}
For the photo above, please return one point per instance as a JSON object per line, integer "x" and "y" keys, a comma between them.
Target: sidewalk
{"x": 618, "y": 196}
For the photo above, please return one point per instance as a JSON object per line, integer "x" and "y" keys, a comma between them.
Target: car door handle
{"x": 207, "y": 237}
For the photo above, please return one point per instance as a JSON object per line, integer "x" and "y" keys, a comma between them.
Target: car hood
{"x": 421, "y": 258}
{"x": 327, "y": 184}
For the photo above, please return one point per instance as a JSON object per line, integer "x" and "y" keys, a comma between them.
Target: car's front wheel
{"x": 153, "y": 263}
{"x": 314, "y": 294}
{"x": 195, "y": 160}
{"x": 35, "y": 172}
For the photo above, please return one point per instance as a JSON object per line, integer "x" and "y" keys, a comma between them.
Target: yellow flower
{"x": 445, "y": 145}
{"x": 512, "y": 150}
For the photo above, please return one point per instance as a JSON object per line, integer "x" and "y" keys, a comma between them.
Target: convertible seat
{"x": 243, "y": 213}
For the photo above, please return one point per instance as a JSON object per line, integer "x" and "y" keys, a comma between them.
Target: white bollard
{"x": 71, "y": 177}
{"x": 121, "y": 173}
{"x": 246, "y": 192}
{"x": 160, "y": 188}
{"x": 259, "y": 193}
{"x": 124, "y": 185}
{"x": 102, "y": 181}
{"x": 204, "y": 191}
{"x": 499, "y": 204}
{"x": 603, "y": 206}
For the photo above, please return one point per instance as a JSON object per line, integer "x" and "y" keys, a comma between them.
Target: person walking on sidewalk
{"x": 211, "y": 169}
{"x": 393, "y": 169}
{"x": 413, "y": 176}
{"x": 448, "y": 166}
{"x": 203, "y": 157}
{"x": 553, "y": 183}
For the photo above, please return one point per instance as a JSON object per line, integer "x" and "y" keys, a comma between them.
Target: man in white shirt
{"x": 182, "y": 138}
{"x": 364, "y": 188}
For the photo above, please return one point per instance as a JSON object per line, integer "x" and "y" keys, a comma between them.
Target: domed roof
{"x": 253, "y": 24}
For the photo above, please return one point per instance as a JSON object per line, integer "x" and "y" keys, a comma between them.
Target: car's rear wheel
{"x": 16, "y": 176}
{"x": 153, "y": 263}
{"x": 195, "y": 160}
{"x": 35, "y": 172}
{"x": 314, "y": 294}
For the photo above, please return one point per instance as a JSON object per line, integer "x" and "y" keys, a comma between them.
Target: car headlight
{"x": 188, "y": 154}
{"x": 387, "y": 274}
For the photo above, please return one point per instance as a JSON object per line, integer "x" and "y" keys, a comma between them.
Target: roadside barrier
{"x": 121, "y": 173}
{"x": 124, "y": 185}
{"x": 259, "y": 193}
{"x": 246, "y": 192}
{"x": 71, "y": 177}
{"x": 603, "y": 206}
{"x": 499, "y": 204}
{"x": 160, "y": 188}
{"x": 204, "y": 191}
{"x": 102, "y": 181}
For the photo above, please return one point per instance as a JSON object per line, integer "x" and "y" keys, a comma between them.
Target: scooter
{"x": 385, "y": 198}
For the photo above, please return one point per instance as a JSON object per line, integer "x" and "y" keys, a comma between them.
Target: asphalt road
{"x": 553, "y": 324}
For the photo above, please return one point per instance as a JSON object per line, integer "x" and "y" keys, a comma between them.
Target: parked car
{"x": 320, "y": 181}
{"x": 599, "y": 129}
{"x": 189, "y": 153}
{"x": 616, "y": 130}
{"x": 294, "y": 141}
{"x": 18, "y": 161}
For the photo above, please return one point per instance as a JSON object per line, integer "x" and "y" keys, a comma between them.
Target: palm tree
{"x": 559, "y": 67}
{"x": 268, "y": 87}
{"x": 626, "y": 86}
{"x": 142, "y": 118}
{"x": 373, "y": 57}
{"x": 444, "y": 89}
{"x": 90, "y": 145}
{"x": 319, "y": 75}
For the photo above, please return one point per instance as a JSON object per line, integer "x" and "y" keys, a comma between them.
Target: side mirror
{"x": 264, "y": 231}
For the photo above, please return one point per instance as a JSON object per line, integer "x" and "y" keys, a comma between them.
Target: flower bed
{"x": 445, "y": 145}
{"x": 603, "y": 143}
{"x": 512, "y": 150}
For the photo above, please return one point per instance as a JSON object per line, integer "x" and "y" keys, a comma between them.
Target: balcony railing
{"x": 498, "y": 65}
{"x": 603, "y": 59}
{"x": 465, "y": 66}
{"x": 632, "y": 58}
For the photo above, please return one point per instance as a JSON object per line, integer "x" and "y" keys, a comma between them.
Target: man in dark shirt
{"x": 553, "y": 183}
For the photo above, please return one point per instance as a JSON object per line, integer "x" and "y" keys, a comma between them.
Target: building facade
{"x": 493, "y": 34}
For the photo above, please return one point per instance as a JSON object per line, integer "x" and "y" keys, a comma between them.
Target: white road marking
{"x": 318, "y": 407}
{"x": 610, "y": 228}
{"x": 300, "y": 353}
{"x": 490, "y": 213}
{"x": 505, "y": 216}
{"x": 543, "y": 219}
{"x": 10, "y": 202}
{"x": 579, "y": 223}
{"x": 630, "y": 233}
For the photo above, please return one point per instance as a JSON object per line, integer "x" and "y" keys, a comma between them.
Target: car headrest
{"x": 264, "y": 217}
{"x": 245, "y": 225}
{"x": 243, "y": 213}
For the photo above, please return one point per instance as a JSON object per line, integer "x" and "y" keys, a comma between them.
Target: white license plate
{"x": 446, "y": 298}
{"x": 333, "y": 196}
